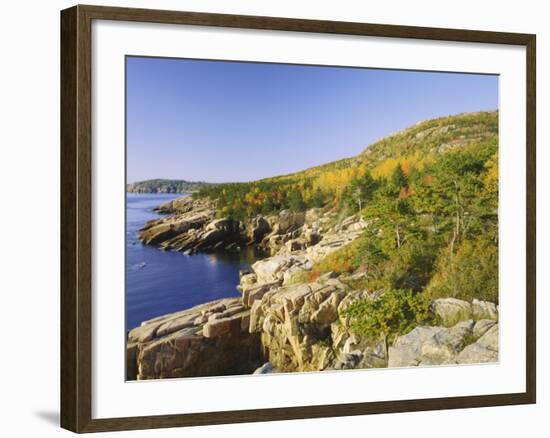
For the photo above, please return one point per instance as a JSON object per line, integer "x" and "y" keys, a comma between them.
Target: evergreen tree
{"x": 318, "y": 199}
{"x": 398, "y": 177}
{"x": 296, "y": 201}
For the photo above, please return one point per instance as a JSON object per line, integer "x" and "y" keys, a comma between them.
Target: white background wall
{"x": 29, "y": 223}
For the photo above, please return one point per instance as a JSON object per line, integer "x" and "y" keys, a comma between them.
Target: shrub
{"x": 300, "y": 277}
{"x": 470, "y": 273}
{"x": 395, "y": 313}
{"x": 411, "y": 266}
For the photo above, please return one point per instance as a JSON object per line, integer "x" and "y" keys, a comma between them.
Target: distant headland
{"x": 165, "y": 186}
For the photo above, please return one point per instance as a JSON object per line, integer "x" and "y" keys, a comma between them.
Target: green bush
{"x": 395, "y": 313}
{"x": 470, "y": 273}
{"x": 411, "y": 266}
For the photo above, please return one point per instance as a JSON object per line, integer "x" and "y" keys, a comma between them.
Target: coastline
{"x": 163, "y": 282}
{"x": 279, "y": 325}
{"x": 386, "y": 259}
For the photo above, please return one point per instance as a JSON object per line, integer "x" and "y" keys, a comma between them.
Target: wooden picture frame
{"x": 76, "y": 217}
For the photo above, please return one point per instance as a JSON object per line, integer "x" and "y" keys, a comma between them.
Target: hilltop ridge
{"x": 413, "y": 149}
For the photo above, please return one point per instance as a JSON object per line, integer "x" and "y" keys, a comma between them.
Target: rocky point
{"x": 281, "y": 326}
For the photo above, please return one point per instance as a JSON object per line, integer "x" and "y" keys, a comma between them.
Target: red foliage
{"x": 313, "y": 275}
{"x": 404, "y": 193}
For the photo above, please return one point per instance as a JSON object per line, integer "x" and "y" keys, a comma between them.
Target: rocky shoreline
{"x": 277, "y": 325}
{"x": 191, "y": 225}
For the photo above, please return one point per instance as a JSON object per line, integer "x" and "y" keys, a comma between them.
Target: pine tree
{"x": 398, "y": 177}
{"x": 318, "y": 199}
{"x": 296, "y": 201}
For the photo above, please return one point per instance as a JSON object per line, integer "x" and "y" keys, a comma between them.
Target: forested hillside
{"x": 342, "y": 183}
{"x": 430, "y": 193}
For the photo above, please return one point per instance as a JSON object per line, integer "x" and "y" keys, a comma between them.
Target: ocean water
{"x": 160, "y": 282}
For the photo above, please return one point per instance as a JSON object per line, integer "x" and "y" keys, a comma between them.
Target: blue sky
{"x": 234, "y": 121}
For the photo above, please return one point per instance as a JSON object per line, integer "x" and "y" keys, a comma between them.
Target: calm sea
{"x": 160, "y": 282}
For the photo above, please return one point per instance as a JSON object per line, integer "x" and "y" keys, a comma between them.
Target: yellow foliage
{"x": 334, "y": 181}
{"x": 491, "y": 174}
{"x": 408, "y": 164}
{"x": 385, "y": 168}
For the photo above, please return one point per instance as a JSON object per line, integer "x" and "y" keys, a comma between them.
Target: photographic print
{"x": 297, "y": 218}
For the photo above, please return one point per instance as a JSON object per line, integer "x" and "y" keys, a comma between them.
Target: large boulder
{"x": 482, "y": 326}
{"x": 295, "y": 322}
{"x": 211, "y": 339}
{"x": 187, "y": 353}
{"x": 274, "y": 268}
{"x": 267, "y": 271}
{"x": 466, "y": 342}
{"x": 484, "y": 310}
{"x": 288, "y": 221}
{"x": 231, "y": 325}
{"x": 407, "y": 349}
{"x": 256, "y": 292}
{"x": 451, "y": 310}
{"x": 256, "y": 229}
{"x": 485, "y": 349}
{"x": 426, "y": 345}
{"x": 329, "y": 243}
